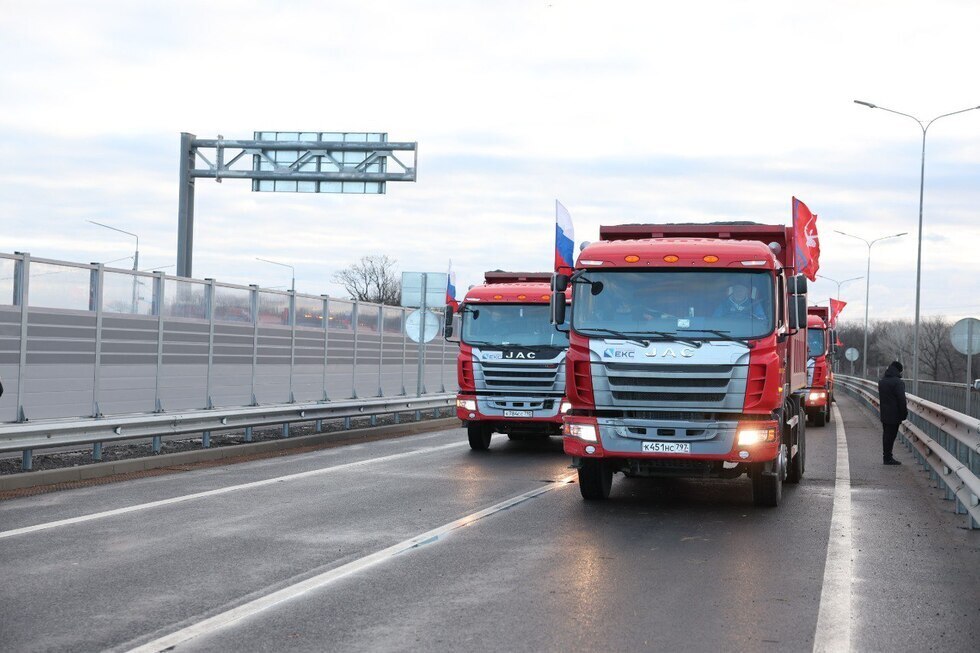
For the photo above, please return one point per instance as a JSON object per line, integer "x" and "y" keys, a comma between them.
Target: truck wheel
{"x": 479, "y": 436}
{"x": 594, "y": 480}
{"x": 830, "y": 412}
{"x": 797, "y": 465}
{"x": 767, "y": 487}
{"x": 820, "y": 418}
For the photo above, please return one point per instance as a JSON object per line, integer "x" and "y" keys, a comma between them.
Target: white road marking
{"x": 224, "y": 619}
{"x": 224, "y": 490}
{"x": 833, "y": 631}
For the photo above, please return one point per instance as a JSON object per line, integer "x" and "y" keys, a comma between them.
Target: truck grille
{"x": 669, "y": 386}
{"x": 521, "y": 376}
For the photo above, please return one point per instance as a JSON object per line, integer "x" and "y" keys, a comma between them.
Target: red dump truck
{"x": 820, "y": 341}
{"x": 511, "y": 363}
{"x": 687, "y": 355}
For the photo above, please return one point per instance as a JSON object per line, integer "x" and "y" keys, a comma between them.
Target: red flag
{"x": 807, "y": 241}
{"x": 836, "y": 306}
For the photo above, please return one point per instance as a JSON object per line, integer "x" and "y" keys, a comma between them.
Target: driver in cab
{"x": 739, "y": 304}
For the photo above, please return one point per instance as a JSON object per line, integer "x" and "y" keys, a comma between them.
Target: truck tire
{"x": 479, "y": 436}
{"x": 830, "y": 411}
{"x": 820, "y": 418}
{"x": 767, "y": 487}
{"x": 594, "y": 480}
{"x": 798, "y": 464}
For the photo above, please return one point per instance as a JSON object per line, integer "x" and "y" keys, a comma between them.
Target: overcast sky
{"x": 625, "y": 111}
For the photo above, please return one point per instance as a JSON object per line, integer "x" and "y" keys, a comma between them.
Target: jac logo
{"x": 618, "y": 353}
{"x": 520, "y": 354}
{"x": 686, "y": 352}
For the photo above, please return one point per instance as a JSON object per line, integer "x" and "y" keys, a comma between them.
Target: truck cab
{"x": 820, "y": 374}
{"x": 687, "y": 356}
{"x": 511, "y": 362}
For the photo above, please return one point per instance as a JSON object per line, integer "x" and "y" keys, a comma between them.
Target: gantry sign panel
{"x": 328, "y": 160}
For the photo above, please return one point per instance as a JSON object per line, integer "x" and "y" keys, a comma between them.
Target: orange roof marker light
{"x": 522, "y": 296}
{"x": 545, "y": 296}
{"x": 710, "y": 258}
{"x": 670, "y": 258}
{"x": 498, "y": 296}
{"x": 632, "y": 258}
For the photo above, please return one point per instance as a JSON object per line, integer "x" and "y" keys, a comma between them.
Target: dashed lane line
{"x": 224, "y": 490}
{"x": 833, "y": 631}
{"x": 229, "y": 617}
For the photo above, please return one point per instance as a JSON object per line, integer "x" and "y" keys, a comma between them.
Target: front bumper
{"x": 705, "y": 440}
{"x": 545, "y": 412}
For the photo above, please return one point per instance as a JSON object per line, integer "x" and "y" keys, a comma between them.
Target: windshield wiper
{"x": 724, "y": 335}
{"x": 482, "y": 343}
{"x": 621, "y": 336}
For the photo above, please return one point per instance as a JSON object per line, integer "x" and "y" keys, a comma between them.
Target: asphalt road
{"x": 420, "y": 544}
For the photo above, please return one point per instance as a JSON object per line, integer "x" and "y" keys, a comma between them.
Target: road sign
{"x": 852, "y": 354}
{"x": 435, "y": 289}
{"x": 965, "y": 335}
{"x": 415, "y": 330}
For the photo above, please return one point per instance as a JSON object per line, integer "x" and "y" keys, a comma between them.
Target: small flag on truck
{"x": 451, "y": 288}
{"x": 807, "y": 241}
{"x": 564, "y": 239}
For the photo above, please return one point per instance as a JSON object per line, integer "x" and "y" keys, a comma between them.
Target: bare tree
{"x": 374, "y": 279}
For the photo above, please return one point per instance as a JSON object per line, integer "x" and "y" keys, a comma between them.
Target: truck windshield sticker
{"x": 690, "y": 304}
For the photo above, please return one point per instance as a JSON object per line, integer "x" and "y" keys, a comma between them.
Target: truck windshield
{"x": 699, "y": 304}
{"x": 814, "y": 342}
{"x": 518, "y": 325}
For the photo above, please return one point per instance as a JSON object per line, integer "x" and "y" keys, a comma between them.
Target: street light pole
{"x": 292, "y": 285}
{"x": 867, "y": 292}
{"x": 136, "y": 258}
{"x": 839, "y": 283}
{"x": 924, "y": 126}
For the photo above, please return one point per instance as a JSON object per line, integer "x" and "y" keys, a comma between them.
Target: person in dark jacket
{"x": 893, "y": 409}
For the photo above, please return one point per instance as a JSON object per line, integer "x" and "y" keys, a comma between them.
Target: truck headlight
{"x": 752, "y": 434}
{"x": 566, "y": 406}
{"x": 582, "y": 432}
{"x": 466, "y": 404}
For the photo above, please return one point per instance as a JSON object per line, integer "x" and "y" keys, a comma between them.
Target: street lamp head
{"x": 867, "y": 104}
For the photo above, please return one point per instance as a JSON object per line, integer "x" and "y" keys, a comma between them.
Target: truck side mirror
{"x": 559, "y": 282}
{"x": 558, "y": 305}
{"x": 796, "y": 285}
{"x": 797, "y": 312}
{"x": 448, "y": 329}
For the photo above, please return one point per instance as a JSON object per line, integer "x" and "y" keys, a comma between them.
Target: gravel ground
{"x": 142, "y": 449}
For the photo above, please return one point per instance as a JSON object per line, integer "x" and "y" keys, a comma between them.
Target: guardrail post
{"x": 326, "y": 342}
{"x": 95, "y": 304}
{"x": 254, "y": 308}
{"x": 206, "y": 439}
{"x": 381, "y": 346}
{"x": 292, "y": 344}
{"x": 156, "y": 443}
{"x": 347, "y": 423}
{"x": 27, "y": 460}
{"x": 248, "y": 434}
{"x": 210, "y": 308}
{"x": 355, "y": 311}
{"x": 318, "y": 425}
{"x": 22, "y": 279}
{"x": 158, "y": 282}
{"x": 97, "y": 452}
{"x": 374, "y": 420}
{"x": 285, "y": 429}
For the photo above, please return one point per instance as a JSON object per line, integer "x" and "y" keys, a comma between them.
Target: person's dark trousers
{"x": 888, "y": 434}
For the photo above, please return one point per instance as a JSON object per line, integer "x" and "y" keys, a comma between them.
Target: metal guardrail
{"x": 945, "y": 442}
{"x": 27, "y": 437}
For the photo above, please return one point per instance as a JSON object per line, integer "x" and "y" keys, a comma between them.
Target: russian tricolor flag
{"x": 564, "y": 239}
{"x": 451, "y": 288}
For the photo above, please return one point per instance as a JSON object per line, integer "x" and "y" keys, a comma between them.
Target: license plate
{"x": 518, "y": 413}
{"x": 666, "y": 447}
